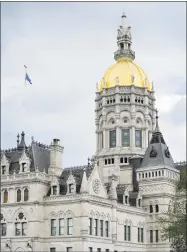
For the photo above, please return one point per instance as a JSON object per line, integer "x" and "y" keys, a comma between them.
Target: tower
{"x": 124, "y": 111}
{"x": 157, "y": 178}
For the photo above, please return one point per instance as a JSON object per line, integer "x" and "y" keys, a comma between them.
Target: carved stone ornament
{"x": 96, "y": 186}
{"x": 153, "y": 152}
{"x": 167, "y": 153}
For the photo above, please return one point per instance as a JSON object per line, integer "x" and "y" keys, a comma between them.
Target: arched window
{"x": 149, "y": 174}
{"x": 159, "y": 173}
{"x": 156, "y": 208}
{"x": 3, "y": 226}
{"x": 18, "y": 195}
{"x": 151, "y": 209}
{"x": 21, "y": 225}
{"x": 26, "y": 194}
{"x": 5, "y": 198}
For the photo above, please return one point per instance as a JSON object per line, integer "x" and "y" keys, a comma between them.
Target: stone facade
{"x": 110, "y": 204}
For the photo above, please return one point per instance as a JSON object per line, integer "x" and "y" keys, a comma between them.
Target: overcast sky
{"x": 67, "y": 48}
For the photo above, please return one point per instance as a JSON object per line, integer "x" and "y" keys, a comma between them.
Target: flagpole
{"x": 25, "y": 75}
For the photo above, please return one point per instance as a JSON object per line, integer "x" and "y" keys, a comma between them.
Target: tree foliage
{"x": 174, "y": 222}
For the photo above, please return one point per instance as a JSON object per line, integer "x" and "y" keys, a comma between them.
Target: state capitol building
{"x": 112, "y": 203}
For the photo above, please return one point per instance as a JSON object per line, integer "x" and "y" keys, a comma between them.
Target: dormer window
{"x": 3, "y": 169}
{"x": 54, "y": 190}
{"x": 71, "y": 188}
{"x": 71, "y": 184}
{"x": 24, "y": 167}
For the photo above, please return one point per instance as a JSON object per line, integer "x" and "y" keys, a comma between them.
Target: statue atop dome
{"x": 124, "y": 42}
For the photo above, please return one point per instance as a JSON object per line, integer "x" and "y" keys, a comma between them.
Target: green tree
{"x": 174, "y": 222}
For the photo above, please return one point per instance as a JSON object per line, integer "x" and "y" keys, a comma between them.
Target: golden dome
{"x": 125, "y": 70}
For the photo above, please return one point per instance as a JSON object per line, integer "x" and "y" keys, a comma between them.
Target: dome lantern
{"x": 124, "y": 41}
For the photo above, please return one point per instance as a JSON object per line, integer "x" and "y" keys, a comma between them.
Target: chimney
{"x": 56, "y": 151}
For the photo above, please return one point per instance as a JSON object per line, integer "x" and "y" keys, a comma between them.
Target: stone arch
{"x": 97, "y": 215}
{"x": 102, "y": 216}
{"x": 108, "y": 217}
{"x": 69, "y": 214}
{"x": 110, "y": 116}
{"x": 61, "y": 214}
{"x": 91, "y": 214}
{"x": 125, "y": 114}
{"x": 20, "y": 210}
{"x": 139, "y": 121}
{"x": 52, "y": 215}
{"x": 19, "y": 250}
{"x": 130, "y": 223}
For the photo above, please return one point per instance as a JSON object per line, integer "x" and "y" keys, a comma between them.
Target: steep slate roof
{"x": 38, "y": 153}
{"x": 77, "y": 172}
{"x": 157, "y": 152}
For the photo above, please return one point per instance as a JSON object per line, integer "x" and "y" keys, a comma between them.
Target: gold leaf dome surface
{"x": 124, "y": 70}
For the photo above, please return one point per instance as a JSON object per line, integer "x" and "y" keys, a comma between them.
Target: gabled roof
{"x": 157, "y": 152}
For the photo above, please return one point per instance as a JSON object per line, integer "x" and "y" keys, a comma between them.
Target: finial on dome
{"x": 124, "y": 41}
{"x": 123, "y": 17}
{"x": 117, "y": 81}
{"x": 132, "y": 78}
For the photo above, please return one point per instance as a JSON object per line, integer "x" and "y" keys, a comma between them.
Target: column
{"x": 133, "y": 116}
{"x": 118, "y": 131}
{"x": 146, "y": 133}
{"x": 132, "y": 136}
{"x": 114, "y": 222}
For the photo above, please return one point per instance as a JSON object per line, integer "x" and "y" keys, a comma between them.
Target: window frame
{"x": 53, "y": 227}
{"x": 61, "y": 227}
{"x": 69, "y": 227}
{"x": 111, "y": 137}
{"x": 140, "y": 136}
{"x": 123, "y": 138}
{"x": 107, "y": 228}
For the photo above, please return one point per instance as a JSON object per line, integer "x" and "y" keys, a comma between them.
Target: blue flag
{"x": 27, "y": 78}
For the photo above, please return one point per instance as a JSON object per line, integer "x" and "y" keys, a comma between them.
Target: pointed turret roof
{"x": 22, "y": 144}
{"x": 84, "y": 188}
{"x": 157, "y": 152}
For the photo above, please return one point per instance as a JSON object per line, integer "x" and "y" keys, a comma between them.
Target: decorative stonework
{"x": 167, "y": 153}
{"x": 153, "y": 152}
{"x": 96, "y": 186}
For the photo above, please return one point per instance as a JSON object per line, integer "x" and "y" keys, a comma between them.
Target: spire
{"x": 123, "y": 19}
{"x": 22, "y": 144}
{"x": 157, "y": 152}
{"x": 18, "y": 139}
{"x": 84, "y": 188}
{"x": 157, "y": 129}
{"x": 124, "y": 41}
{"x": 113, "y": 193}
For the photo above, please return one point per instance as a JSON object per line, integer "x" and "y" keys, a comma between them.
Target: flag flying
{"x": 27, "y": 78}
